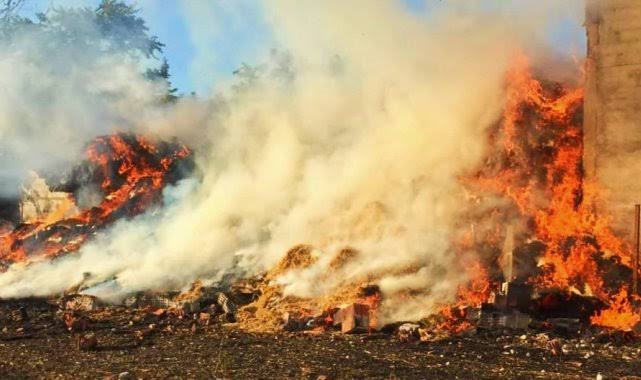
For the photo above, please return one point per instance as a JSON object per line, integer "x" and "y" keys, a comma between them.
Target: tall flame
{"x": 537, "y": 165}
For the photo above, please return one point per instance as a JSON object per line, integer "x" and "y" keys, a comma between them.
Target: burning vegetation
{"x": 130, "y": 171}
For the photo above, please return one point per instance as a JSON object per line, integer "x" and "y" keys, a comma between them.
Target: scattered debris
{"x": 80, "y": 302}
{"x": 555, "y": 347}
{"x": 409, "y": 332}
{"x": 353, "y": 318}
{"x": 140, "y": 335}
{"x": 75, "y": 322}
{"x": 149, "y": 300}
{"x": 86, "y": 342}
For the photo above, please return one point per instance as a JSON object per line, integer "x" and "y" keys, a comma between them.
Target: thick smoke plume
{"x": 58, "y": 94}
{"x": 353, "y": 134}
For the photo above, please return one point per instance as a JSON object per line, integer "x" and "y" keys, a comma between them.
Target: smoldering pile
{"x": 258, "y": 304}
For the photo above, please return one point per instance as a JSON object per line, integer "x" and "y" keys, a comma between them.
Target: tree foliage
{"x": 114, "y": 27}
{"x": 162, "y": 74}
{"x": 124, "y": 30}
{"x": 9, "y": 8}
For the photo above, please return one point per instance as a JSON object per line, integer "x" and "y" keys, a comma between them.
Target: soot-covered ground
{"x": 36, "y": 343}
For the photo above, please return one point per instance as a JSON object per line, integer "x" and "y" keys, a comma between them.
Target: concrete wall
{"x": 613, "y": 106}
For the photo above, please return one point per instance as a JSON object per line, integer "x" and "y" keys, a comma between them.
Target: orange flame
{"x": 538, "y": 167}
{"x": 620, "y": 315}
{"x": 473, "y": 294}
{"x": 140, "y": 171}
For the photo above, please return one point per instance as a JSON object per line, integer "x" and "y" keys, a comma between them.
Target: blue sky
{"x": 231, "y": 44}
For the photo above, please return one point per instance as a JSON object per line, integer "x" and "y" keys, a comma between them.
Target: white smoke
{"x": 56, "y": 96}
{"x": 355, "y": 136}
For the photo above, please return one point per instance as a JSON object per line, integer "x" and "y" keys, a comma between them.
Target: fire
{"x": 536, "y": 164}
{"x": 474, "y": 293}
{"x": 620, "y": 315}
{"x": 131, "y": 171}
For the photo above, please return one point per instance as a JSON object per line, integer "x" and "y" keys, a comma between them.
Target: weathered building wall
{"x": 613, "y": 106}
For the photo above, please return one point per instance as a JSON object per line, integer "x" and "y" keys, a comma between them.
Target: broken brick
{"x": 353, "y": 318}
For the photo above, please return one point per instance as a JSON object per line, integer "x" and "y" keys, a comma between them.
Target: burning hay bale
{"x": 40, "y": 204}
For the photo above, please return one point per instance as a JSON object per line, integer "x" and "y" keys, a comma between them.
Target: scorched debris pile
{"x": 543, "y": 258}
{"x": 130, "y": 172}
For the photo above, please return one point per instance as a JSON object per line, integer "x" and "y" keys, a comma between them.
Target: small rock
{"x": 125, "y": 376}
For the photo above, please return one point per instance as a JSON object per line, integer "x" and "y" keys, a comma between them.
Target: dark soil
{"x": 41, "y": 346}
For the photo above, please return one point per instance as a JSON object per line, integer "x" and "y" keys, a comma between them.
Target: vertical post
{"x": 637, "y": 248}
{"x": 507, "y": 255}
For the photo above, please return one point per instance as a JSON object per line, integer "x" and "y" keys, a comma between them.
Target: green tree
{"x": 9, "y": 8}
{"x": 161, "y": 74}
{"x": 9, "y": 18}
{"x": 113, "y": 27}
{"x": 123, "y": 29}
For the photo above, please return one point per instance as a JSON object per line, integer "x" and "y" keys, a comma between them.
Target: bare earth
{"x": 43, "y": 347}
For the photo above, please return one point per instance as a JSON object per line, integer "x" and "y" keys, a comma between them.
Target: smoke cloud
{"x": 57, "y": 95}
{"x": 355, "y": 132}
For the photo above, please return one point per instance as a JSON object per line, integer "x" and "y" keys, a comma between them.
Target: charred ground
{"x": 35, "y": 342}
{"x": 41, "y": 346}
